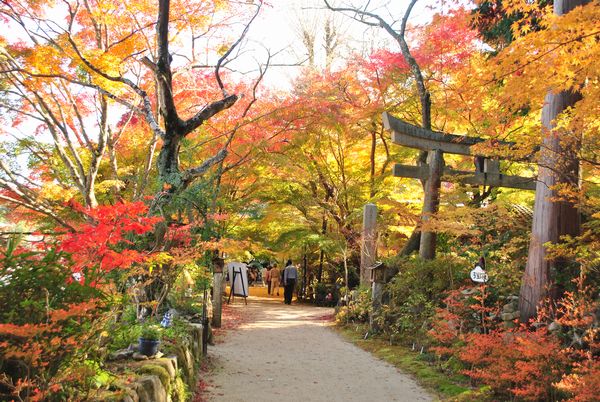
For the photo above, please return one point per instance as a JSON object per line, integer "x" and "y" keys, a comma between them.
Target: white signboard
{"x": 479, "y": 275}
{"x": 239, "y": 287}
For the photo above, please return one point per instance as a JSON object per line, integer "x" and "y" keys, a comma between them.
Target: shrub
{"x": 409, "y": 317}
{"x": 188, "y": 287}
{"x": 151, "y": 332}
{"x": 35, "y": 281}
{"x": 357, "y": 309}
{"x": 430, "y": 278}
{"x": 500, "y": 231}
{"x": 64, "y": 291}
{"x": 326, "y": 294}
{"x": 411, "y": 297}
{"x": 519, "y": 363}
{"x": 583, "y": 382}
{"x": 526, "y": 363}
{"x": 49, "y": 323}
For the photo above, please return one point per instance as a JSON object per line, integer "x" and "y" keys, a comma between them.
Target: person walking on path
{"x": 290, "y": 275}
{"x": 275, "y": 280}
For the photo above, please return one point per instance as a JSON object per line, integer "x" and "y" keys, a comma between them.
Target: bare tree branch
{"x": 207, "y": 112}
{"x": 377, "y": 20}
{"x": 235, "y": 44}
{"x": 191, "y": 174}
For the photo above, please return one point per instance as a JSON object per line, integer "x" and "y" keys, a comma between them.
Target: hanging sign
{"x": 478, "y": 275}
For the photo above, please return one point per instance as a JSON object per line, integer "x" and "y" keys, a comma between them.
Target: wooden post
{"x": 368, "y": 249}
{"x": 431, "y": 202}
{"x": 377, "y": 294}
{"x": 217, "y": 301}
{"x": 377, "y": 274}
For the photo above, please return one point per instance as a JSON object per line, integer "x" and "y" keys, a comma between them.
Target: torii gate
{"x": 434, "y": 172}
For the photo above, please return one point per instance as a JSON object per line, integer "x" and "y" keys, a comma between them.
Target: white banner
{"x": 240, "y": 286}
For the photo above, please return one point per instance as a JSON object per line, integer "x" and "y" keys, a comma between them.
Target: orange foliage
{"x": 525, "y": 363}
{"x": 43, "y": 347}
{"x": 100, "y": 243}
{"x": 584, "y": 382}
{"x": 518, "y": 363}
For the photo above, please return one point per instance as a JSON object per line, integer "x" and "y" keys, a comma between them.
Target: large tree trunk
{"x": 175, "y": 129}
{"x": 552, "y": 217}
{"x": 168, "y": 162}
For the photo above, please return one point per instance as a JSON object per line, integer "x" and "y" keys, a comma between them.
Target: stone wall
{"x": 160, "y": 379}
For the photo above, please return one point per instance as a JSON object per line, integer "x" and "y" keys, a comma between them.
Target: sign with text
{"x": 478, "y": 275}
{"x": 238, "y": 278}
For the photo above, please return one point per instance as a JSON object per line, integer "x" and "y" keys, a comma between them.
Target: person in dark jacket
{"x": 290, "y": 276}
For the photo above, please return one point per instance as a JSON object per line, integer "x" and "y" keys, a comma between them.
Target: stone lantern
{"x": 218, "y": 264}
{"x": 377, "y": 272}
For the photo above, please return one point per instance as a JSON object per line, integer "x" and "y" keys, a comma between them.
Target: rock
{"x": 15, "y": 369}
{"x": 210, "y": 340}
{"x": 576, "y": 340}
{"x": 196, "y": 318}
{"x": 554, "y": 326}
{"x": 167, "y": 364}
{"x": 150, "y": 389}
{"x": 158, "y": 355}
{"x": 185, "y": 361}
{"x": 196, "y": 334}
{"x": 152, "y": 369}
{"x": 510, "y": 316}
{"x": 139, "y": 356}
{"x": 509, "y": 308}
{"x": 120, "y": 354}
{"x": 130, "y": 395}
{"x": 173, "y": 360}
{"x": 468, "y": 291}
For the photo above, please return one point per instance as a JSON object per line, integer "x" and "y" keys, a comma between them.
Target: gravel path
{"x": 288, "y": 353}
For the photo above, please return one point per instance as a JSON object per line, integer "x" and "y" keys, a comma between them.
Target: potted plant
{"x": 149, "y": 340}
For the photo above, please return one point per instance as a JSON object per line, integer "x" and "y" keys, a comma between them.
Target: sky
{"x": 279, "y": 25}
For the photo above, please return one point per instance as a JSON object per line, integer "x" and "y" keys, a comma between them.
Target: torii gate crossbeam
{"x": 434, "y": 172}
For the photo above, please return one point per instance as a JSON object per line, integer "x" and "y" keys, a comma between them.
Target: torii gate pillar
{"x": 431, "y": 202}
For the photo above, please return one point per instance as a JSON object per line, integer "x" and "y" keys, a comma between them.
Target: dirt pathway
{"x": 288, "y": 353}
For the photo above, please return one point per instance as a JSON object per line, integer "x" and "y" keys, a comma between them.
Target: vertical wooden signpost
{"x": 369, "y": 243}
{"x": 487, "y": 171}
{"x": 218, "y": 264}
